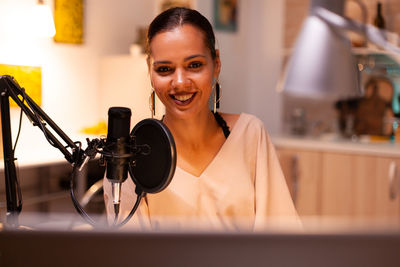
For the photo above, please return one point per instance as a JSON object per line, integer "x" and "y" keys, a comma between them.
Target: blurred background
{"x": 339, "y": 156}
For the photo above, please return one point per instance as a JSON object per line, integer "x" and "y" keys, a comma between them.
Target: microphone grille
{"x": 119, "y": 123}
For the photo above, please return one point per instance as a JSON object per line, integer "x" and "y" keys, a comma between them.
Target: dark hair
{"x": 179, "y": 16}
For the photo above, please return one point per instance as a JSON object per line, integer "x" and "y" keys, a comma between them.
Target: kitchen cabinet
{"x": 342, "y": 184}
{"x": 362, "y": 186}
{"x": 302, "y": 170}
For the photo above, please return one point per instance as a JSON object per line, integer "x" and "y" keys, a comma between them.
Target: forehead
{"x": 182, "y": 39}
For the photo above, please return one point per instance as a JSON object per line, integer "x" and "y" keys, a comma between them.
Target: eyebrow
{"x": 169, "y": 62}
{"x": 193, "y": 56}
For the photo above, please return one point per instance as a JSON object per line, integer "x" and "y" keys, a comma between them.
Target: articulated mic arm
{"x": 150, "y": 141}
{"x": 9, "y": 87}
{"x": 72, "y": 150}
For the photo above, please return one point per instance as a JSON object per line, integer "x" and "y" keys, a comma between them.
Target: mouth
{"x": 183, "y": 99}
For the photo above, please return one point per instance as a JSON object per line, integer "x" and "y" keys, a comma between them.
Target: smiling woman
{"x": 182, "y": 70}
{"x": 227, "y": 175}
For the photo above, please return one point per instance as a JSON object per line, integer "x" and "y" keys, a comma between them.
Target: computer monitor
{"x": 127, "y": 248}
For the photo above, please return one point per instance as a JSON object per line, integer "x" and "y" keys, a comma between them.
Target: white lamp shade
{"x": 42, "y": 22}
{"x": 321, "y": 65}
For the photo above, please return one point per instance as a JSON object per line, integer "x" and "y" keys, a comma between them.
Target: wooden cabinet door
{"x": 358, "y": 186}
{"x": 387, "y": 196}
{"x": 302, "y": 170}
{"x": 336, "y": 185}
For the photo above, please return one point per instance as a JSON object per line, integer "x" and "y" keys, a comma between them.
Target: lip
{"x": 183, "y": 103}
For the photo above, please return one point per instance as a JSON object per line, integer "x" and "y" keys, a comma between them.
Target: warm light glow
{"x": 42, "y": 21}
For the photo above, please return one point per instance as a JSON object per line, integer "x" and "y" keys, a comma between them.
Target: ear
{"x": 217, "y": 63}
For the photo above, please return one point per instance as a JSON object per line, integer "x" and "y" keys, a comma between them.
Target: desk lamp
{"x": 42, "y": 20}
{"x": 322, "y": 65}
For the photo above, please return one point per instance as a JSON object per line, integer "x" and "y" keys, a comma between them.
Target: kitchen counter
{"x": 33, "y": 150}
{"x": 334, "y": 143}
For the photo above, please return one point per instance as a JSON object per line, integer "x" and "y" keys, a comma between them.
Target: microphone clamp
{"x": 100, "y": 146}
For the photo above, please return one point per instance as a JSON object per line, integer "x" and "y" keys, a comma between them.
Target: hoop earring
{"x": 152, "y": 103}
{"x": 217, "y": 97}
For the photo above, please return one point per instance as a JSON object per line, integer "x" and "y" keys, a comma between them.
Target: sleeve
{"x": 140, "y": 220}
{"x": 274, "y": 205}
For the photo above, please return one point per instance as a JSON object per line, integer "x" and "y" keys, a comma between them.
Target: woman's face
{"x": 182, "y": 70}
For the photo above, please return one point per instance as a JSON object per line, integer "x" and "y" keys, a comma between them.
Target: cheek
{"x": 159, "y": 83}
{"x": 204, "y": 77}
{"x": 206, "y": 82}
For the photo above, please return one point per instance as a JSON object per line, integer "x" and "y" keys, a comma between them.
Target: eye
{"x": 195, "y": 65}
{"x": 163, "y": 69}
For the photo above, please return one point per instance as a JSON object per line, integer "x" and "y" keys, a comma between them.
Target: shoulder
{"x": 230, "y": 118}
{"x": 243, "y": 118}
{"x": 245, "y": 123}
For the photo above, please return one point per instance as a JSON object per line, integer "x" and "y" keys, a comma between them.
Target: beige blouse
{"x": 243, "y": 188}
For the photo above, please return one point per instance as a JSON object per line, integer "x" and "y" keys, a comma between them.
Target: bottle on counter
{"x": 298, "y": 121}
{"x": 379, "y": 21}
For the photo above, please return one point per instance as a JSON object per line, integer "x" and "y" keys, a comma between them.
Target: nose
{"x": 180, "y": 79}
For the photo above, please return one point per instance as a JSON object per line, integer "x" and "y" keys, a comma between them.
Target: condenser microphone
{"x": 148, "y": 153}
{"x": 117, "y": 147}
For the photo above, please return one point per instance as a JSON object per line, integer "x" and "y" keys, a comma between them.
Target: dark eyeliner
{"x": 163, "y": 69}
{"x": 195, "y": 65}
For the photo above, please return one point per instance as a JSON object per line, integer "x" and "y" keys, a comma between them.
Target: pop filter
{"x": 154, "y": 168}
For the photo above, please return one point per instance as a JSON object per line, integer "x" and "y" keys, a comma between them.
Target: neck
{"x": 193, "y": 131}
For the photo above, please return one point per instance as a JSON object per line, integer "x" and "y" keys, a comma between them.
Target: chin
{"x": 185, "y": 114}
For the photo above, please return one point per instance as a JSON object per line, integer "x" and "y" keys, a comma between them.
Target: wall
{"x": 70, "y": 72}
{"x": 250, "y": 58}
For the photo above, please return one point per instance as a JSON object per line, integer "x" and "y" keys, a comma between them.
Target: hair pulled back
{"x": 179, "y": 16}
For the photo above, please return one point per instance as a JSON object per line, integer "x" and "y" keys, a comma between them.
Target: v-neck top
{"x": 216, "y": 157}
{"x": 242, "y": 188}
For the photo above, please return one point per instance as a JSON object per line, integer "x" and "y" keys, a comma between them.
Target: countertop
{"x": 334, "y": 143}
{"x": 33, "y": 150}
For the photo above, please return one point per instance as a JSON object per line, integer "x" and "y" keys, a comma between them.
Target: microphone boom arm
{"x": 163, "y": 145}
{"x": 10, "y": 88}
{"x": 13, "y": 90}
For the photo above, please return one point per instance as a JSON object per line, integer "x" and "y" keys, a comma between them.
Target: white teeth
{"x": 183, "y": 97}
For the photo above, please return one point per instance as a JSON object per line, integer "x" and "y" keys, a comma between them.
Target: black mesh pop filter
{"x": 155, "y": 167}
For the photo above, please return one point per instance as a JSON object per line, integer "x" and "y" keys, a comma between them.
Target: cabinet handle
{"x": 295, "y": 177}
{"x": 392, "y": 180}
